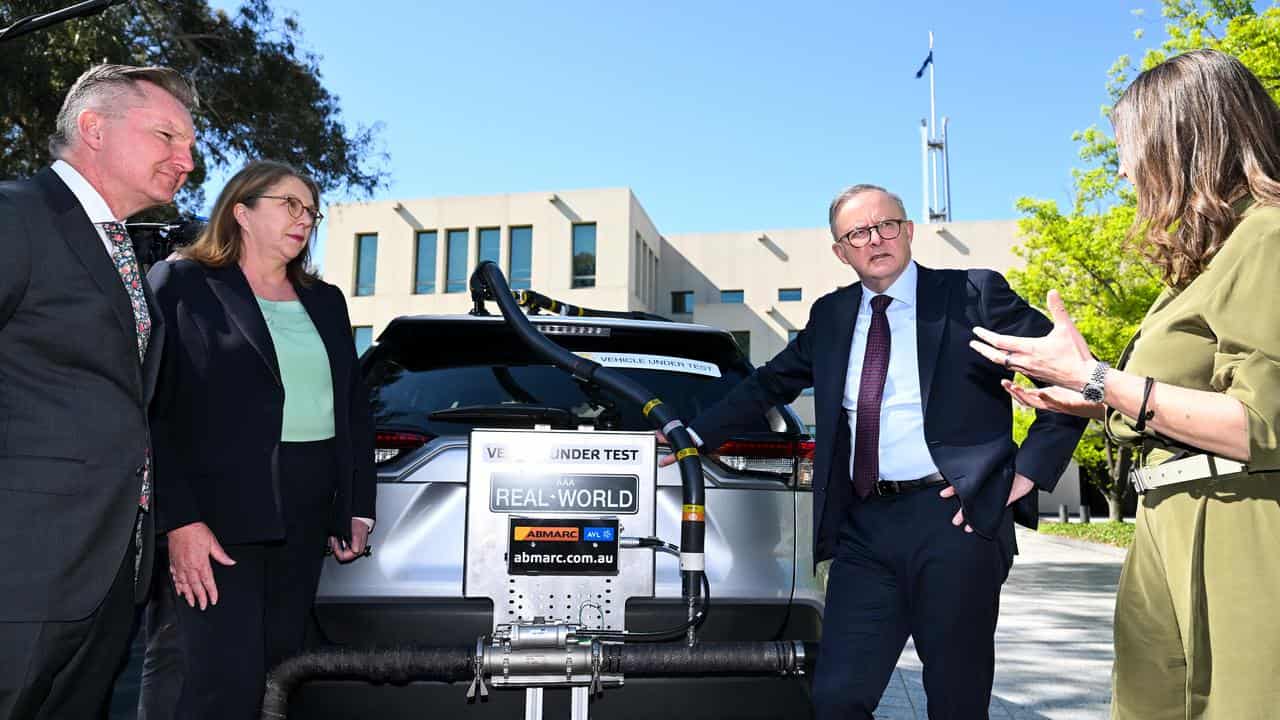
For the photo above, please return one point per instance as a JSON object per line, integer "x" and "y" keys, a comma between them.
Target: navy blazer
{"x": 73, "y": 408}
{"x": 220, "y": 407}
{"x": 968, "y": 418}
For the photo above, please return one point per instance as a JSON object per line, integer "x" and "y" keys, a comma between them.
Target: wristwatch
{"x": 1093, "y": 390}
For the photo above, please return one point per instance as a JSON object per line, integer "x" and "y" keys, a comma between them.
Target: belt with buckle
{"x": 1176, "y": 472}
{"x": 885, "y": 488}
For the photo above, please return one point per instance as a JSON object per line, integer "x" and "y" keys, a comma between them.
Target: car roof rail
{"x": 535, "y": 302}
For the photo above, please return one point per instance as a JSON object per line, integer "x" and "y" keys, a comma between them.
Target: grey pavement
{"x": 1053, "y": 643}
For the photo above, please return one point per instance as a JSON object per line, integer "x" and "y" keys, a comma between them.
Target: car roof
{"x": 657, "y": 325}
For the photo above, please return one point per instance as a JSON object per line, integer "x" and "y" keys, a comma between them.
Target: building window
{"x": 743, "y": 338}
{"x": 363, "y": 335}
{"x": 637, "y": 274}
{"x": 521, "y": 260}
{"x": 456, "y": 261}
{"x": 424, "y": 272}
{"x": 489, "y": 246}
{"x": 653, "y": 279}
{"x": 366, "y": 263}
{"x": 584, "y": 255}
{"x": 789, "y": 295}
{"x": 682, "y": 301}
{"x": 731, "y": 297}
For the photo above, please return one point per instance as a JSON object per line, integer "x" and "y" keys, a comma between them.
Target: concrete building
{"x": 599, "y": 248}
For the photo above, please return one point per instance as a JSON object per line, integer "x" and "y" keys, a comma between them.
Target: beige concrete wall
{"x": 646, "y": 260}
{"x": 551, "y": 215}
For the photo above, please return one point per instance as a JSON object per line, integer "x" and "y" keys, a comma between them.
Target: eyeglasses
{"x": 859, "y": 237}
{"x": 296, "y": 207}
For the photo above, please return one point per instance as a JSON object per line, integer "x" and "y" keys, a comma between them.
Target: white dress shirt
{"x": 904, "y": 455}
{"x": 92, "y": 202}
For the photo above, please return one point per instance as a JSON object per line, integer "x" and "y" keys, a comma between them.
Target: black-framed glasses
{"x": 887, "y": 229}
{"x": 297, "y": 207}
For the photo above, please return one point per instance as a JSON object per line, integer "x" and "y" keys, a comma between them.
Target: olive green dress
{"x": 1197, "y": 623}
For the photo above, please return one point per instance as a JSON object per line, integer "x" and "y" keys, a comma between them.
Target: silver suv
{"x": 433, "y": 379}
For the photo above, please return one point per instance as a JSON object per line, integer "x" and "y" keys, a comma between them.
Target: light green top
{"x": 1221, "y": 334}
{"x": 304, "y": 370}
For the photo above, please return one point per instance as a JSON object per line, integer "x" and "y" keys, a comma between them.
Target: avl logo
{"x": 597, "y": 534}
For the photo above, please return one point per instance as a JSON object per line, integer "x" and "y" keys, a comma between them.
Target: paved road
{"x": 1053, "y": 645}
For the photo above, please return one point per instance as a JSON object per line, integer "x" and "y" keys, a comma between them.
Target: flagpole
{"x": 924, "y": 172}
{"x": 933, "y": 123}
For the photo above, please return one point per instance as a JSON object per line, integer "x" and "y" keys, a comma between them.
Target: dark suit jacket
{"x": 968, "y": 418}
{"x": 73, "y": 399}
{"x": 220, "y": 407}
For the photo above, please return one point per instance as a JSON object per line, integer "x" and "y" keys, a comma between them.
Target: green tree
{"x": 1085, "y": 251}
{"x": 261, "y": 92}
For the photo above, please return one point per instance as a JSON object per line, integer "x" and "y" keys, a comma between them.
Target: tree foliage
{"x": 1084, "y": 252}
{"x": 261, "y": 92}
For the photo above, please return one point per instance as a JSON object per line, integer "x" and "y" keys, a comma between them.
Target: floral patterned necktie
{"x": 131, "y": 275}
{"x": 126, "y": 263}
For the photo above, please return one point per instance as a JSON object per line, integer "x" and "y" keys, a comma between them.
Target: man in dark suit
{"x": 79, "y": 352}
{"x": 915, "y": 467}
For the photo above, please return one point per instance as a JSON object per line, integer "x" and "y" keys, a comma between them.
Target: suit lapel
{"x": 232, "y": 290}
{"x": 931, "y": 314}
{"x": 85, "y": 243}
{"x": 845, "y": 315}
{"x": 155, "y": 344}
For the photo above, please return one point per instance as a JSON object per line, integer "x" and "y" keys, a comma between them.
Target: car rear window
{"x": 417, "y": 370}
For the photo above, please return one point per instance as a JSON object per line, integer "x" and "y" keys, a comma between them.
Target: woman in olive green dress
{"x": 1196, "y": 394}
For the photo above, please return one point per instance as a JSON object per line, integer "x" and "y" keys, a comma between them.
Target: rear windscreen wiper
{"x": 518, "y": 414}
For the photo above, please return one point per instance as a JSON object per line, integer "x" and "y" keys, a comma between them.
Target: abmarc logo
{"x": 524, "y": 533}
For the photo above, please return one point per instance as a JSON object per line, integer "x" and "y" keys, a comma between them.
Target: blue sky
{"x": 722, "y": 115}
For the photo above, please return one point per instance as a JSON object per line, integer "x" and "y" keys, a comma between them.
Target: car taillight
{"x": 789, "y": 459}
{"x": 389, "y": 444}
{"x": 804, "y": 464}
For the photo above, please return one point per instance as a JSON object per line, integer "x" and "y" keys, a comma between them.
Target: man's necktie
{"x": 875, "y": 366}
{"x": 131, "y": 275}
{"x": 126, "y": 263}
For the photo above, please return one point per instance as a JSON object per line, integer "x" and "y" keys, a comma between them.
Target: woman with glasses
{"x": 263, "y": 439}
{"x": 1196, "y": 395}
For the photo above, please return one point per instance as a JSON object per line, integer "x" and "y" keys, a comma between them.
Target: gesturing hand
{"x": 1055, "y": 399}
{"x": 1060, "y": 358}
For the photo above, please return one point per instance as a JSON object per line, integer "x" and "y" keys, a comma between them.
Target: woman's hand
{"x": 1055, "y": 399}
{"x": 1060, "y": 358}
{"x": 359, "y": 542}
{"x": 190, "y": 548}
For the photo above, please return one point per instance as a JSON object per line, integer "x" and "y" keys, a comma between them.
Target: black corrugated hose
{"x": 389, "y": 665}
{"x": 451, "y": 664}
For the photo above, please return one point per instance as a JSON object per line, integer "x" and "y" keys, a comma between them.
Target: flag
{"x": 923, "y": 65}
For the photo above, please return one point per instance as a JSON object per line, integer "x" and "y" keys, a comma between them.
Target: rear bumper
{"x": 715, "y": 698}
{"x": 459, "y": 621}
